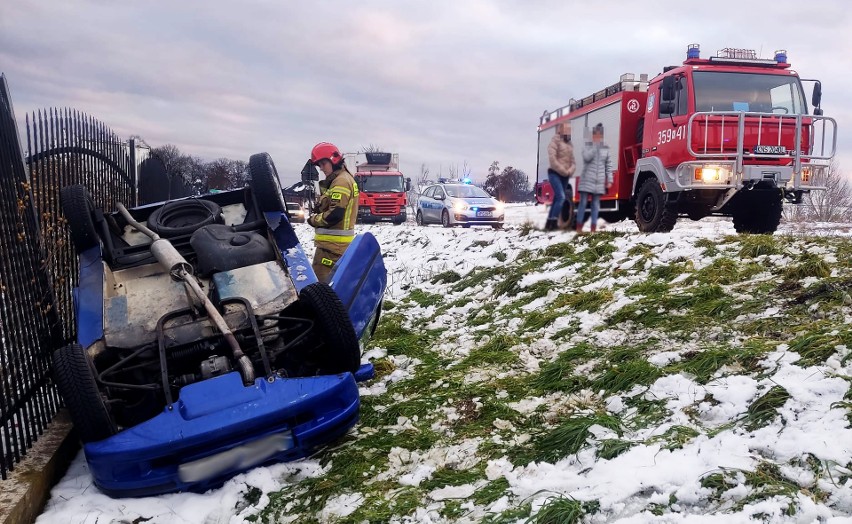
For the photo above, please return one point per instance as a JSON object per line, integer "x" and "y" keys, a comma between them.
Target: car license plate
{"x": 387, "y": 219}
{"x": 483, "y": 213}
{"x": 770, "y": 150}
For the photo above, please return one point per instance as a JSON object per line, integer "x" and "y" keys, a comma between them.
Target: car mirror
{"x": 666, "y": 108}
{"x": 667, "y": 90}
{"x": 440, "y": 197}
{"x": 408, "y": 184}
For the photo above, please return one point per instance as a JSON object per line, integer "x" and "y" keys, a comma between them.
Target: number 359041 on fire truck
{"x": 728, "y": 135}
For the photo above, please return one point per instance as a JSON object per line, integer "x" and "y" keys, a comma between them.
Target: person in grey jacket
{"x": 596, "y": 178}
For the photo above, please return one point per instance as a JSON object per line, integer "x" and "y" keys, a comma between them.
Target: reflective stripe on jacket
{"x": 338, "y": 209}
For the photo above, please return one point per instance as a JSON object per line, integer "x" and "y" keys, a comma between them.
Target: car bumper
{"x": 461, "y": 218}
{"x": 219, "y": 428}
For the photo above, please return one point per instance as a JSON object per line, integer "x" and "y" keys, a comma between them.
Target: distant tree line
{"x": 220, "y": 174}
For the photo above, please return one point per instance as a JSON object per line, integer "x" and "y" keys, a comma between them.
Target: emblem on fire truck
{"x": 633, "y": 106}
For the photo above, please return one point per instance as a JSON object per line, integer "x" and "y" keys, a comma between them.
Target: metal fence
{"x": 29, "y": 323}
{"x": 38, "y": 267}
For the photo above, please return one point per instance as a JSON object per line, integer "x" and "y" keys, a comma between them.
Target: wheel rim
{"x": 648, "y": 209}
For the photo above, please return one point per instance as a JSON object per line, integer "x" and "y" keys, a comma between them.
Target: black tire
{"x": 265, "y": 184}
{"x": 696, "y": 213}
{"x": 419, "y": 219}
{"x": 445, "y": 219}
{"x": 78, "y": 208}
{"x": 568, "y": 213}
{"x": 497, "y": 226}
{"x": 341, "y": 351}
{"x": 758, "y": 212}
{"x": 75, "y": 379}
{"x": 183, "y": 217}
{"x": 652, "y": 213}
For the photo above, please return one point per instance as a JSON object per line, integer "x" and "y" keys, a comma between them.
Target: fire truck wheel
{"x": 445, "y": 219}
{"x": 419, "y": 219}
{"x": 758, "y": 213}
{"x": 652, "y": 213}
{"x": 265, "y": 184}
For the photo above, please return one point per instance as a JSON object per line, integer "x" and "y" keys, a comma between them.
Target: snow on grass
{"x": 524, "y": 376}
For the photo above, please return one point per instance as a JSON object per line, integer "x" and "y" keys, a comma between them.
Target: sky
{"x": 813, "y": 422}
{"x": 445, "y": 84}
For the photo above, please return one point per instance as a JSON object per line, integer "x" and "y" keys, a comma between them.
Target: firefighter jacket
{"x": 338, "y": 209}
{"x": 561, "y": 156}
{"x": 597, "y": 169}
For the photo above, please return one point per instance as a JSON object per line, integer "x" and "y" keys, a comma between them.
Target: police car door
{"x": 427, "y": 204}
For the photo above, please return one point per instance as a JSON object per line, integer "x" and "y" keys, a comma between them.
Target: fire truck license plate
{"x": 483, "y": 213}
{"x": 770, "y": 150}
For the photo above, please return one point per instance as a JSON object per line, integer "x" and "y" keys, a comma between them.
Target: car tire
{"x": 497, "y": 226}
{"x": 419, "y": 219}
{"x": 652, "y": 213}
{"x": 341, "y": 351}
{"x": 184, "y": 217}
{"x": 75, "y": 379}
{"x": 78, "y": 208}
{"x": 445, "y": 219}
{"x": 265, "y": 184}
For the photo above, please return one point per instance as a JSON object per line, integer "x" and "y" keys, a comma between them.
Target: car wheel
{"x": 265, "y": 184}
{"x": 75, "y": 380}
{"x": 497, "y": 226}
{"x": 183, "y": 217}
{"x": 419, "y": 218}
{"x": 341, "y": 351}
{"x": 78, "y": 207}
{"x": 445, "y": 219}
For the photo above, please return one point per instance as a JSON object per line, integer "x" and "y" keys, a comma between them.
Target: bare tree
{"x": 372, "y": 148}
{"x": 832, "y": 204}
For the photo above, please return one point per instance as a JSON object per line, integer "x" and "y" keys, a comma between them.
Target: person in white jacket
{"x": 596, "y": 178}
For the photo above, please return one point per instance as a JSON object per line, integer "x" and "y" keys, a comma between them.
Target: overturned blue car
{"x": 205, "y": 344}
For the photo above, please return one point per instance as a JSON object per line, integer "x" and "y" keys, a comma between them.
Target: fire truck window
{"x": 755, "y": 92}
{"x": 681, "y": 98}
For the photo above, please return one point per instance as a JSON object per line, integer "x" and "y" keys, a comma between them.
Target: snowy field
{"x": 524, "y": 376}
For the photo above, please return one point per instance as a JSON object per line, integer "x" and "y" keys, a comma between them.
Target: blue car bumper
{"x": 219, "y": 428}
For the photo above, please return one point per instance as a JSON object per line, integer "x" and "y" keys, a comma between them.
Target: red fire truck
{"x": 728, "y": 135}
{"x": 381, "y": 189}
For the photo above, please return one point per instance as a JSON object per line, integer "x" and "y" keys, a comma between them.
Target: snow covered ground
{"x": 524, "y": 376}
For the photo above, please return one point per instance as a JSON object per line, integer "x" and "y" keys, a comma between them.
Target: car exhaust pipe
{"x": 181, "y": 270}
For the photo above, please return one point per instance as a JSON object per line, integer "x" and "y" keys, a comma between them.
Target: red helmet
{"x": 328, "y": 151}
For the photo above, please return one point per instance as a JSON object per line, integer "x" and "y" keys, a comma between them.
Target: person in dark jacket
{"x": 596, "y": 178}
{"x": 560, "y": 154}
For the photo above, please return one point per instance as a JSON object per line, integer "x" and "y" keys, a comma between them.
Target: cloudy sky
{"x": 440, "y": 82}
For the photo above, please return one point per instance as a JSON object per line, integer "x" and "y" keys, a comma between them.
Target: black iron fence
{"x": 38, "y": 267}
{"x": 29, "y": 322}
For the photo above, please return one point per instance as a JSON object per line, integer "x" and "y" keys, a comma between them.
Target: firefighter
{"x": 334, "y": 220}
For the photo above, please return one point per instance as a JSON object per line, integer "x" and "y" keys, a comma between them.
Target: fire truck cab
{"x": 381, "y": 189}
{"x": 729, "y": 135}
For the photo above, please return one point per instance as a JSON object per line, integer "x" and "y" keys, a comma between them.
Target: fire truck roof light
{"x": 693, "y": 51}
{"x": 781, "y": 56}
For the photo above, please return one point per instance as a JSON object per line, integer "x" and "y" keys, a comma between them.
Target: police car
{"x": 452, "y": 204}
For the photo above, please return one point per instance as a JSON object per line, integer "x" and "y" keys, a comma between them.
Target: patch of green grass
{"x": 388, "y": 305}
{"x": 703, "y": 365}
{"x": 808, "y": 265}
{"x": 668, "y": 272}
{"x": 510, "y": 516}
{"x": 600, "y": 249}
{"x": 451, "y": 477}
{"x": 645, "y": 413}
{"x": 815, "y": 348}
{"x": 622, "y": 377}
{"x": 560, "y": 250}
{"x": 559, "y": 510}
{"x": 536, "y": 320}
{"x": 763, "y": 410}
{"x": 424, "y": 298}
{"x": 477, "y": 277}
{"x": 500, "y": 256}
{"x": 649, "y": 288}
{"x": 753, "y": 246}
{"x": 496, "y": 351}
{"x": 491, "y": 492}
{"x": 583, "y": 300}
{"x": 613, "y": 447}
{"x": 379, "y": 508}
{"x": 709, "y": 246}
{"x": 767, "y": 482}
{"x": 640, "y": 250}
{"x": 676, "y": 437}
{"x": 509, "y": 285}
{"x": 558, "y": 374}
{"x": 567, "y": 332}
{"x": 722, "y": 271}
{"x": 446, "y": 277}
{"x": 570, "y": 437}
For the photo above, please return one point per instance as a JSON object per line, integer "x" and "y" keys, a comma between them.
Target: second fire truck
{"x": 728, "y": 135}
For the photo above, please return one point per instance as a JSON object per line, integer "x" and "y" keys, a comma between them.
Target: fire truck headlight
{"x": 711, "y": 175}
